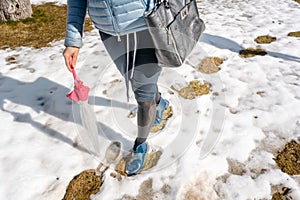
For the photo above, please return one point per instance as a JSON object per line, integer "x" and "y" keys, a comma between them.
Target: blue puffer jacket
{"x": 115, "y": 17}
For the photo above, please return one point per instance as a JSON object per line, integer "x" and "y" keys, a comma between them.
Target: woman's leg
{"x": 157, "y": 96}
{"x": 144, "y": 84}
{"x": 145, "y": 117}
{"x": 145, "y": 75}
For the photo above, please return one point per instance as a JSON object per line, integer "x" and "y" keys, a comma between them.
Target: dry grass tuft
{"x": 210, "y": 65}
{"x": 83, "y": 185}
{"x": 46, "y": 25}
{"x": 250, "y": 52}
{"x": 281, "y": 195}
{"x": 294, "y": 34}
{"x": 264, "y": 39}
{"x": 288, "y": 159}
{"x": 194, "y": 89}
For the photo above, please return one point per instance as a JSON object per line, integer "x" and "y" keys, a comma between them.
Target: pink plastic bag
{"x": 80, "y": 92}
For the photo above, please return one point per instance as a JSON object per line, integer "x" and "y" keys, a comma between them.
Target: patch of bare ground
{"x": 193, "y": 89}
{"x": 83, "y": 185}
{"x": 294, "y": 34}
{"x": 288, "y": 159}
{"x": 47, "y": 24}
{"x": 236, "y": 167}
{"x": 280, "y": 193}
{"x": 209, "y": 65}
{"x": 264, "y": 39}
{"x": 250, "y": 52}
{"x": 146, "y": 192}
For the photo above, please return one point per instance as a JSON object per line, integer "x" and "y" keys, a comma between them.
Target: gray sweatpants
{"x": 146, "y": 70}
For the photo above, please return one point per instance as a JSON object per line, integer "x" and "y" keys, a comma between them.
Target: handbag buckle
{"x": 184, "y": 12}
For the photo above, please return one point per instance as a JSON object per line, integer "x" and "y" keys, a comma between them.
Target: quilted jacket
{"x": 115, "y": 17}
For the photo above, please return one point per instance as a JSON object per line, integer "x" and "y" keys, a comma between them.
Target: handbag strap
{"x": 159, "y": 2}
{"x": 166, "y": 2}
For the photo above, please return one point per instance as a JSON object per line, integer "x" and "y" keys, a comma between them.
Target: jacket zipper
{"x": 113, "y": 20}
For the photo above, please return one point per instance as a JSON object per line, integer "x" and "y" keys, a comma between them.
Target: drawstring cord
{"x": 127, "y": 55}
{"x": 127, "y": 67}
{"x": 127, "y": 62}
{"x": 134, "y": 54}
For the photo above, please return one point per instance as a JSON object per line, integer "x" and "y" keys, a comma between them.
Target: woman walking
{"x": 127, "y": 40}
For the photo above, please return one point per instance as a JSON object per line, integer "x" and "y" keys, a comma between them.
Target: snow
{"x": 41, "y": 148}
{"x": 38, "y": 2}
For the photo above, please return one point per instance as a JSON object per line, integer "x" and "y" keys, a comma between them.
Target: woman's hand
{"x": 71, "y": 54}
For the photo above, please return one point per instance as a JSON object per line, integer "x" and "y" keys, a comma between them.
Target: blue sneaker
{"x": 160, "y": 108}
{"x": 163, "y": 112}
{"x": 136, "y": 163}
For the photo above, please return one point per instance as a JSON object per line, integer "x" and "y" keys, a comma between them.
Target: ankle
{"x": 137, "y": 142}
{"x": 157, "y": 98}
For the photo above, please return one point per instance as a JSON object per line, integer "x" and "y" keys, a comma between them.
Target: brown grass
{"x": 294, "y": 34}
{"x": 282, "y": 195}
{"x": 288, "y": 159}
{"x": 83, "y": 185}
{"x": 264, "y": 39}
{"x": 250, "y": 52}
{"x": 193, "y": 89}
{"x": 210, "y": 65}
{"x": 46, "y": 25}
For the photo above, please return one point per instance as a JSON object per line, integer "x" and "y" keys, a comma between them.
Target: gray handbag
{"x": 175, "y": 28}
